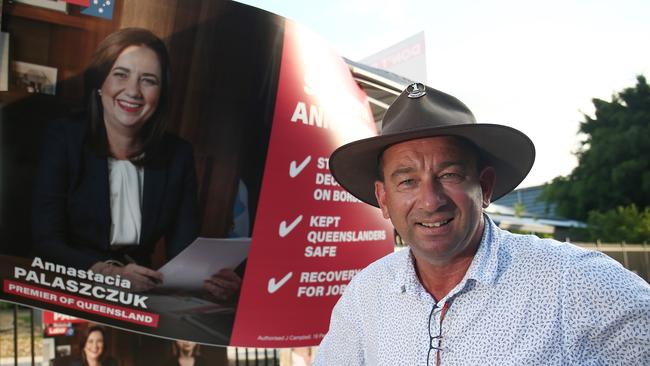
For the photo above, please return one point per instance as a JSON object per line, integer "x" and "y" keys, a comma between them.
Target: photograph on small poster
{"x": 70, "y": 341}
{"x": 34, "y": 78}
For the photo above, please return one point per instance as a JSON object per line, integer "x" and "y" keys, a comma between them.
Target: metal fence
{"x": 253, "y": 356}
{"x": 17, "y": 334}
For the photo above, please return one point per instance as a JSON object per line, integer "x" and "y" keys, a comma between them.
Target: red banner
{"x": 80, "y": 304}
{"x": 310, "y": 236}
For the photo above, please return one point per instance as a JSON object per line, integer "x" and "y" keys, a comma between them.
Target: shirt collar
{"x": 405, "y": 280}
{"x": 484, "y": 267}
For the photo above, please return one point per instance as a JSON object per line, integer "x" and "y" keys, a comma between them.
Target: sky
{"x": 531, "y": 65}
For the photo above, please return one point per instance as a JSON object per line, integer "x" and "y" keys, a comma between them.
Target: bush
{"x": 622, "y": 224}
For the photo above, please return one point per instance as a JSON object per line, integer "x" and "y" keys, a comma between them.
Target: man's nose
{"x": 432, "y": 195}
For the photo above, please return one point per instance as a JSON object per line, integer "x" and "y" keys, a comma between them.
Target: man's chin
{"x": 431, "y": 251}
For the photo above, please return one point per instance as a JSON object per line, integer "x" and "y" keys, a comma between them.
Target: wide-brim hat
{"x": 421, "y": 111}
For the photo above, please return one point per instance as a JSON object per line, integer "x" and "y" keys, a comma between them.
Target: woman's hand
{"x": 141, "y": 278}
{"x": 223, "y": 285}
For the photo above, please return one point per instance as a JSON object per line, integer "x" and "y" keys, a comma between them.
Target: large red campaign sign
{"x": 310, "y": 236}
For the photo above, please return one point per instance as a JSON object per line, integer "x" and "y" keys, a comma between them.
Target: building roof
{"x": 382, "y": 87}
{"x": 535, "y": 216}
{"x": 529, "y": 198}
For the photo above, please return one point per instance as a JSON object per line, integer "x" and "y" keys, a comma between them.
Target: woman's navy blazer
{"x": 71, "y": 214}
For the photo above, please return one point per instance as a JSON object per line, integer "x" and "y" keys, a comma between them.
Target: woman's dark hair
{"x": 84, "y": 339}
{"x": 196, "y": 351}
{"x": 97, "y": 71}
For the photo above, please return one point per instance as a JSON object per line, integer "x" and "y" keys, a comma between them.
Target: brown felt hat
{"x": 421, "y": 111}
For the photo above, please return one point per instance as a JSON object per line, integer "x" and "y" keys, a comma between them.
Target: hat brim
{"x": 510, "y": 152}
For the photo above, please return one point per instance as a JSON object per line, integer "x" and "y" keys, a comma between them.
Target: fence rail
{"x": 239, "y": 356}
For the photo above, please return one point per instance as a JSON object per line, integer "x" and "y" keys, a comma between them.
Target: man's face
{"x": 434, "y": 194}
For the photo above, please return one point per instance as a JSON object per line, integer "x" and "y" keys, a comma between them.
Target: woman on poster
{"x": 94, "y": 345}
{"x": 186, "y": 353}
{"x": 112, "y": 182}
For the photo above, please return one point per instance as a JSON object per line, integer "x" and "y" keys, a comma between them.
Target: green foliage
{"x": 621, "y": 224}
{"x": 579, "y": 234}
{"x": 519, "y": 209}
{"x": 613, "y": 161}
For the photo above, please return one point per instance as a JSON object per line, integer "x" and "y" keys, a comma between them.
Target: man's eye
{"x": 451, "y": 177}
{"x": 406, "y": 182}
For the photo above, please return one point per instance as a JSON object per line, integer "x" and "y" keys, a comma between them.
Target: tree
{"x": 613, "y": 161}
{"x": 621, "y": 224}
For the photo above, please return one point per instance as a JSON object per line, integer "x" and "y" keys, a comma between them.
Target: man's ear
{"x": 487, "y": 180}
{"x": 380, "y": 194}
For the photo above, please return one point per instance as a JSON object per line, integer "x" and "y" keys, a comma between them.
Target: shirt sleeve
{"x": 606, "y": 313}
{"x": 343, "y": 343}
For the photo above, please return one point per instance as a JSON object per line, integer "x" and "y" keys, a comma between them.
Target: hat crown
{"x": 433, "y": 108}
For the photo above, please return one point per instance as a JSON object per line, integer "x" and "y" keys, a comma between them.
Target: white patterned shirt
{"x": 523, "y": 301}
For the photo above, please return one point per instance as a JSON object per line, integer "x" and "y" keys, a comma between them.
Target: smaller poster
{"x": 78, "y": 342}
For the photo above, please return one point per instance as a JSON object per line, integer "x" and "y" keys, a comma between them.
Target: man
{"x": 467, "y": 292}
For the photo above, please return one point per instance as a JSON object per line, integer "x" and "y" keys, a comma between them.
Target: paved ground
{"x": 22, "y": 361}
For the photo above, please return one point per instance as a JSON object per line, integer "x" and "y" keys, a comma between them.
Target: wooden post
{"x": 646, "y": 261}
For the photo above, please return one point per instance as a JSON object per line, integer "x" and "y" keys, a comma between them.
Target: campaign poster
{"x": 67, "y": 340}
{"x": 243, "y": 238}
{"x": 311, "y": 236}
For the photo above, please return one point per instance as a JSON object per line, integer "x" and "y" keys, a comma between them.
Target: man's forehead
{"x": 438, "y": 146}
